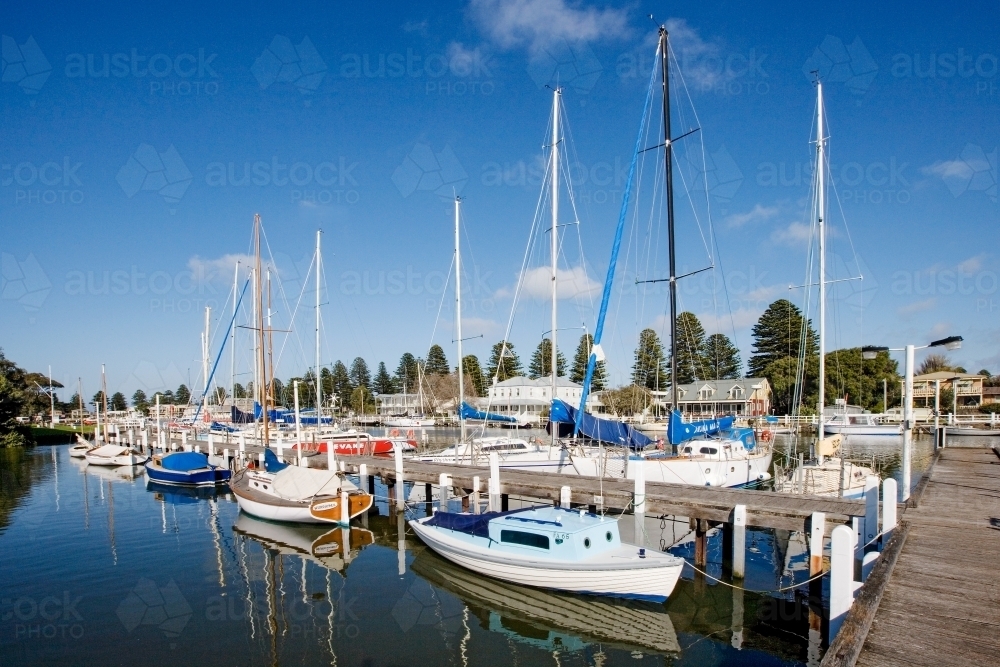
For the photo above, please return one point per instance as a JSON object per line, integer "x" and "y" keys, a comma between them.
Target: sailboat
{"x": 281, "y": 492}
{"x": 829, "y": 474}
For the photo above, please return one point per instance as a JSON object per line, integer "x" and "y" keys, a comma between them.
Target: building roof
{"x": 522, "y": 381}
{"x": 717, "y": 386}
{"x": 947, "y": 375}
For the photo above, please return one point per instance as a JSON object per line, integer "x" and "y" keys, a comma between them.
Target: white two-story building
{"x": 528, "y": 399}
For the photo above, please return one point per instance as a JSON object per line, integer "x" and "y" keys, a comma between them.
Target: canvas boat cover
{"x": 466, "y": 411}
{"x": 471, "y": 524}
{"x": 603, "y": 430}
{"x": 297, "y": 483}
{"x": 184, "y": 461}
{"x": 678, "y": 431}
{"x": 108, "y": 451}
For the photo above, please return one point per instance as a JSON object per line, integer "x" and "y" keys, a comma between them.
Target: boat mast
{"x": 232, "y": 338}
{"x": 554, "y": 246}
{"x": 204, "y": 355}
{"x": 669, "y": 176}
{"x": 820, "y": 215}
{"x": 458, "y": 321}
{"x": 259, "y": 308}
{"x": 319, "y": 383}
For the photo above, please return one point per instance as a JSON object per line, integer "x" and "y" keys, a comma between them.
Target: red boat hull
{"x": 361, "y": 447}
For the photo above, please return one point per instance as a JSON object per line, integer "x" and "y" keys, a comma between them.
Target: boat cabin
{"x": 553, "y": 532}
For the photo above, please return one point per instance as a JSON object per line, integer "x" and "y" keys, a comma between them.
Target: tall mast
{"x": 821, "y": 213}
{"x": 555, "y": 241}
{"x": 458, "y": 321}
{"x": 204, "y": 355}
{"x": 319, "y": 383}
{"x": 232, "y": 338}
{"x": 269, "y": 366}
{"x": 262, "y": 370}
{"x": 668, "y": 172}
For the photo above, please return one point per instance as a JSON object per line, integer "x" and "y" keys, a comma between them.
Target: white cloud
{"x": 540, "y": 23}
{"x": 757, "y": 214}
{"x": 574, "y": 283}
{"x": 946, "y": 169}
{"x": 971, "y": 265}
{"x": 698, "y": 59}
{"x": 917, "y": 307}
{"x": 795, "y": 233}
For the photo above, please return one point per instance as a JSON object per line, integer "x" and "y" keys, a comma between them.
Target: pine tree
{"x": 360, "y": 375}
{"x": 383, "y": 381}
{"x": 541, "y": 361}
{"x": 139, "y": 400}
{"x": 437, "y": 363}
{"x": 183, "y": 395}
{"x": 690, "y": 345}
{"x": 474, "y": 373}
{"x": 406, "y": 373}
{"x": 340, "y": 385}
{"x": 720, "y": 358}
{"x": 579, "y": 371}
{"x": 118, "y": 401}
{"x": 649, "y": 370}
{"x": 507, "y": 367}
{"x": 777, "y": 334}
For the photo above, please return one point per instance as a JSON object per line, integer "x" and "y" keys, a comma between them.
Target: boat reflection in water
{"x": 332, "y": 549}
{"x": 550, "y": 620}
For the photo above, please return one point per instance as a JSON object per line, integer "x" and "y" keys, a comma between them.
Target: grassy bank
{"x": 62, "y": 433}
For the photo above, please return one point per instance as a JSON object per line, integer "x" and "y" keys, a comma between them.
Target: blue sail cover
{"x": 678, "y": 431}
{"x": 216, "y": 426}
{"x": 273, "y": 416}
{"x": 604, "y": 430}
{"x": 468, "y": 412}
{"x": 185, "y": 461}
{"x": 240, "y": 417}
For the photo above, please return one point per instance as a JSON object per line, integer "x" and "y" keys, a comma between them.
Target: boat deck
{"x": 241, "y": 487}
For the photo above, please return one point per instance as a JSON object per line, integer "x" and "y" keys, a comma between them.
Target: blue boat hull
{"x": 200, "y": 477}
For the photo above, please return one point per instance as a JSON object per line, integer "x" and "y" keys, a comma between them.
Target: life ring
{"x": 409, "y": 434}
{"x": 659, "y": 444}
{"x": 394, "y": 433}
{"x": 766, "y": 436}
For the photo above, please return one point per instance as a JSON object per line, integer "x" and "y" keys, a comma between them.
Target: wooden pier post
{"x": 871, "y": 514}
{"x": 475, "y": 495}
{"x": 444, "y": 483}
{"x": 737, "y": 639}
{"x": 700, "y": 542}
{"x": 400, "y": 489}
{"x": 401, "y": 543}
{"x": 889, "y": 496}
{"x": 184, "y": 441}
{"x": 281, "y": 446}
{"x": 739, "y": 541}
{"x": 145, "y": 440}
{"x": 428, "y": 497}
{"x": 371, "y": 483}
{"x": 494, "y": 482}
{"x": 841, "y": 576}
{"x": 225, "y": 457}
{"x": 565, "y": 494}
{"x": 243, "y": 443}
{"x": 817, "y": 526}
{"x": 362, "y": 475}
{"x": 639, "y": 506}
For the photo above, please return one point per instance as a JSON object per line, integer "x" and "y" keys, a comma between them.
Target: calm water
{"x": 99, "y": 570}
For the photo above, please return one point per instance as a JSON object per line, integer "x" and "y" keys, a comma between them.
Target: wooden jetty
{"x": 936, "y": 600}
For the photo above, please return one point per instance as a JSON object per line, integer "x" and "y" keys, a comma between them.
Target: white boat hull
{"x": 409, "y": 422}
{"x": 114, "y": 461}
{"x": 853, "y": 429}
{"x": 277, "y": 512}
{"x": 655, "y": 581}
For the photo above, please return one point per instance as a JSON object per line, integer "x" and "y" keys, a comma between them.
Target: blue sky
{"x": 127, "y": 189}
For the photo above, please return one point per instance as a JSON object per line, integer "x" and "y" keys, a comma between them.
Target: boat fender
{"x": 642, "y": 553}
{"x": 394, "y": 433}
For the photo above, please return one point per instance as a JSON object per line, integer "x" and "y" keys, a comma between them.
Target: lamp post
{"x": 871, "y": 352}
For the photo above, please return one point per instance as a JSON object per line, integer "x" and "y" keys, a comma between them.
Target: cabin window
{"x": 709, "y": 450}
{"x": 607, "y": 536}
{"x": 586, "y": 542}
{"x": 525, "y": 539}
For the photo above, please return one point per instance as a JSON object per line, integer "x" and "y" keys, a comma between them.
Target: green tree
{"x": 778, "y": 334}
{"x": 934, "y": 363}
{"x": 859, "y": 380}
{"x": 12, "y": 399}
{"x": 139, "y": 400}
{"x": 340, "y": 384}
{"x": 649, "y": 369}
{"x": 239, "y": 391}
{"x": 362, "y": 400}
{"x": 383, "y": 383}
{"x": 541, "y": 361}
{"x": 183, "y": 395}
{"x": 360, "y": 375}
{"x": 219, "y": 396}
{"x": 406, "y": 373}
{"x": 626, "y": 401}
{"x": 437, "y": 363}
{"x": 720, "y": 358}
{"x": 504, "y": 363}
{"x": 118, "y": 401}
{"x": 578, "y": 373}
{"x": 474, "y": 374}
{"x": 782, "y": 375}
{"x": 690, "y": 348}
{"x": 98, "y": 401}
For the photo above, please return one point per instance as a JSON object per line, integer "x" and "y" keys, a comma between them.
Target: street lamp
{"x": 870, "y": 352}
